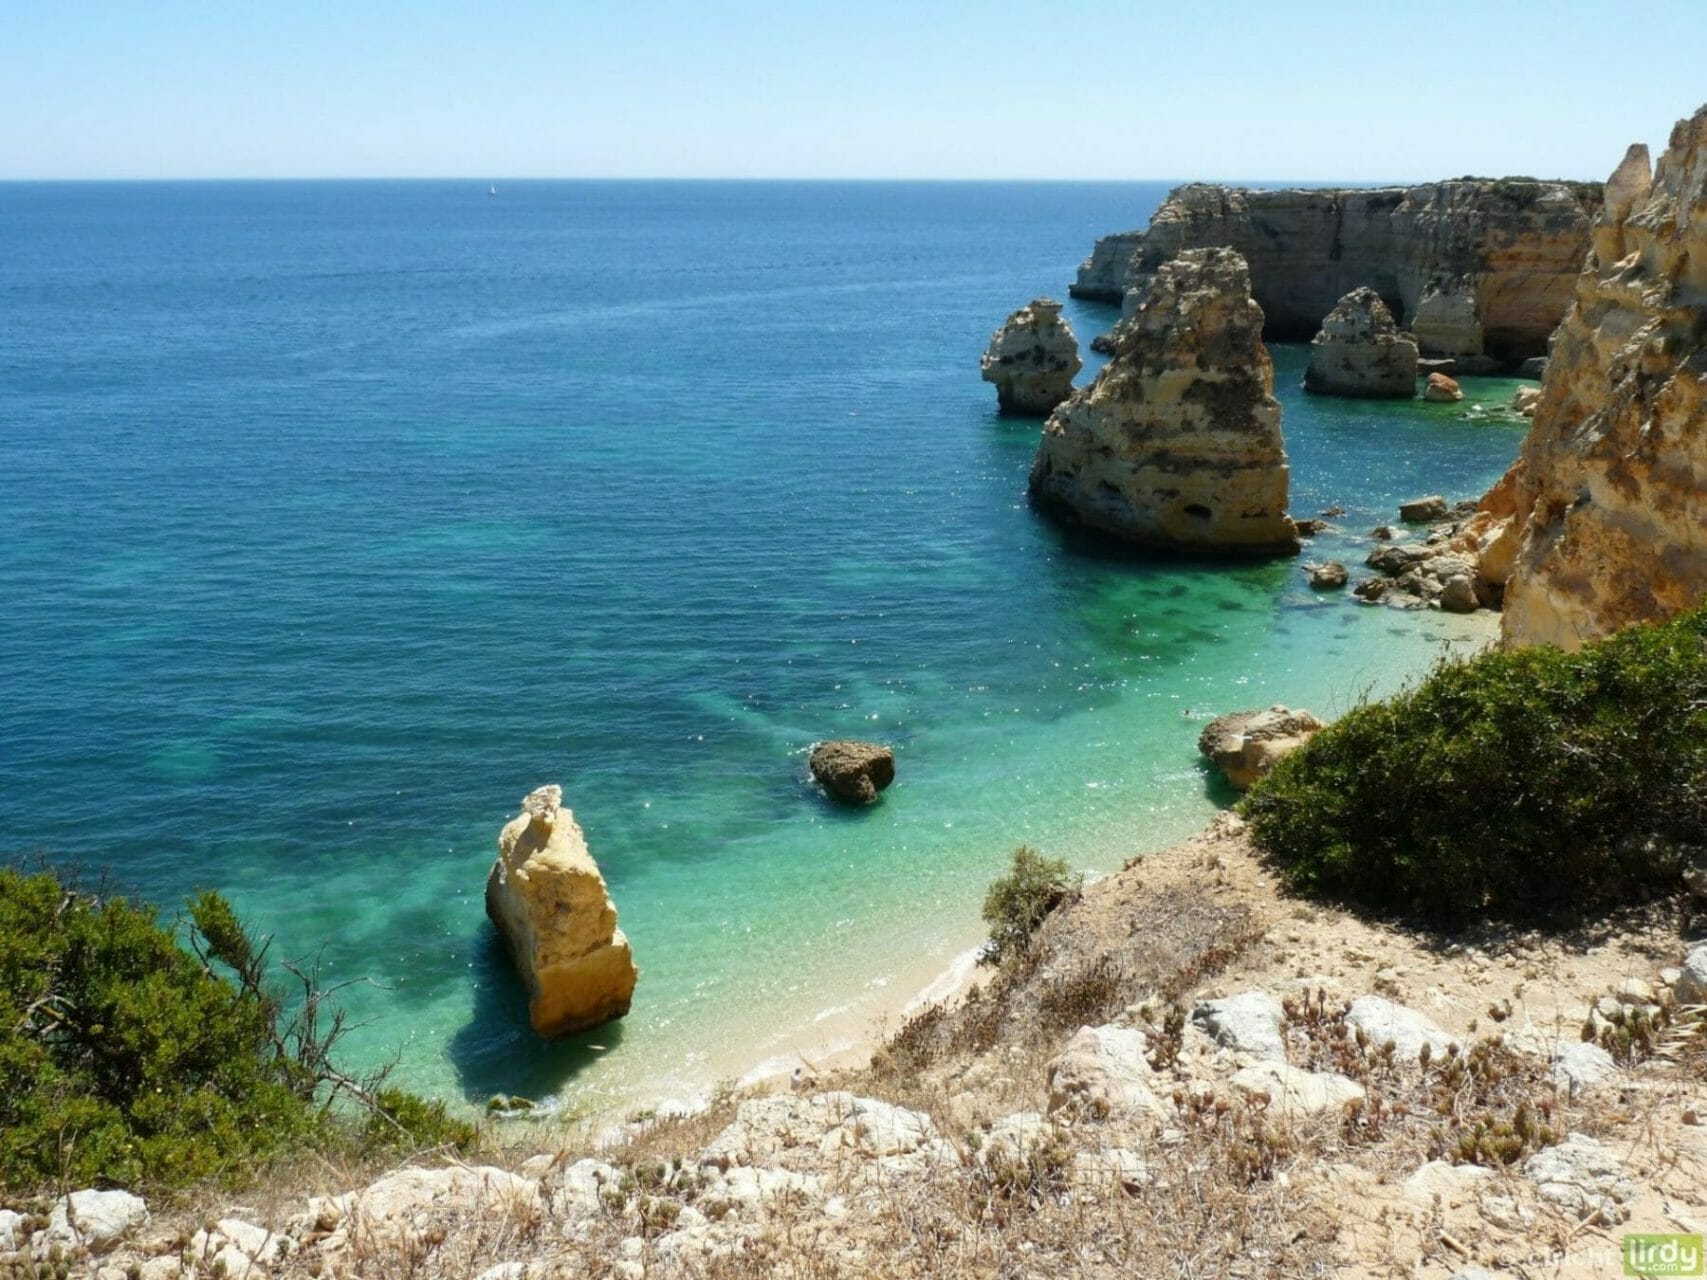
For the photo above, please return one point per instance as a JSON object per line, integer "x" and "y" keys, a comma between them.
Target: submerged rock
{"x": 549, "y": 901}
{"x": 1360, "y": 352}
{"x": 1177, "y": 443}
{"x": 852, "y": 771}
{"x": 1330, "y": 576}
{"x": 1032, "y": 359}
{"x": 1247, "y": 744}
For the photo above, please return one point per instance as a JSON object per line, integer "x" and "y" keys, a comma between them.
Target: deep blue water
{"x": 334, "y": 517}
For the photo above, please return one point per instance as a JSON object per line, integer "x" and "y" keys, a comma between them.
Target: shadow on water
{"x": 496, "y": 1051}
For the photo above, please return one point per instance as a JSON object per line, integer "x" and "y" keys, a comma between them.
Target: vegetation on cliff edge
{"x": 143, "y": 1054}
{"x": 1518, "y": 783}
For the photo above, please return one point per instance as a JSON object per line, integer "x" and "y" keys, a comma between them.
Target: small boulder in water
{"x": 1442, "y": 389}
{"x": 1247, "y": 744}
{"x": 853, "y": 772}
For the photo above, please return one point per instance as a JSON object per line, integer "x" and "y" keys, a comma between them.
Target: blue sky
{"x": 656, "y": 88}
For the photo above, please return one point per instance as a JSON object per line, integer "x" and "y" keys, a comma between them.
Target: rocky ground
{"x": 1190, "y": 1073}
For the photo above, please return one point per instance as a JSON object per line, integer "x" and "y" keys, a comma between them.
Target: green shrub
{"x": 1015, "y": 904}
{"x": 1517, "y": 784}
{"x": 126, "y": 1058}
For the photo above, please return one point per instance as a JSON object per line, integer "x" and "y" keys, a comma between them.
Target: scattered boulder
{"x": 1177, "y": 443}
{"x": 1458, "y": 595}
{"x": 1442, "y": 389}
{"x": 1112, "y": 1169}
{"x": 1691, "y": 987}
{"x": 1395, "y": 558}
{"x": 1251, "y": 1022}
{"x": 1244, "y": 745}
{"x": 1578, "y": 1067}
{"x": 1295, "y": 1090}
{"x": 1584, "y": 1178}
{"x": 549, "y": 901}
{"x": 1310, "y": 528}
{"x": 1525, "y": 400}
{"x": 853, "y": 772}
{"x": 1032, "y": 359}
{"x": 1360, "y": 352}
{"x": 1381, "y": 1022}
{"x": 95, "y": 1220}
{"x": 1534, "y": 367}
{"x": 1103, "y": 1071}
{"x": 1330, "y": 576}
{"x": 1424, "y": 510}
{"x": 403, "y": 1208}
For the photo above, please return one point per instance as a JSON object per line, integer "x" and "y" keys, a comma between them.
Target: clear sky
{"x": 863, "y": 88}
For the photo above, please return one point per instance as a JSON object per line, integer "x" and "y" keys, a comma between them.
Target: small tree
{"x": 1017, "y": 903}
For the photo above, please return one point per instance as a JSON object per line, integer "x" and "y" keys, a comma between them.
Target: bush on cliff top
{"x": 127, "y": 1059}
{"x": 1017, "y": 903}
{"x": 1517, "y": 784}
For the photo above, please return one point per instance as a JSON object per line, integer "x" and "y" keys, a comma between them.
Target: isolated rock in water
{"x": 95, "y": 1220}
{"x": 1524, "y": 401}
{"x": 1244, "y": 745}
{"x": 1103, "y": 1071}
{"x": 1442, "y": 389}
{"x": 1584, "y": 1178}
{"x": 1177, "y": 442}
{"x": 1328, "y": 577}
{"x": 550, "y": 903}
{"x": 1608, "y": 508}
{"x": 1293, "y": 1089}
{"x": 1032, "y": 359}
{"x": 1479, "y": 265}
{"x": 1458, "y": 595}
{"x": 1249, "y": 1022}
{"x": 852, "y": 771}
{"x": 1360, "y": 352}
{"x": 1423, "y": 510}
{"x": 1382, "y": 1022}
{"x": 1536, "y": 366}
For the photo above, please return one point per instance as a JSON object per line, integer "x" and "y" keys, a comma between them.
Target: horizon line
{"x": 493, "y": 180}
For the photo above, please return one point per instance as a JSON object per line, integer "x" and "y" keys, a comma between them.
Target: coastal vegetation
{"x": 138, "y": 1052}
{"x": 1017, "y": 903}
{"x": 1517, "y": 783}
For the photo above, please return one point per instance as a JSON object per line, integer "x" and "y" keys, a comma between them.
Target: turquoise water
{"x": 336, "y": 517}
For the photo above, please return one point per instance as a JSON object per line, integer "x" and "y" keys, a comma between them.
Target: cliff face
{"x": 1605, "y": 512}
{"x": 1474, "y": 266}
{"x": 1177, "y": 443}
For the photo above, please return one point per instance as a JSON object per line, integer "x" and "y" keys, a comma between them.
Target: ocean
{"x": 335, "y": 517}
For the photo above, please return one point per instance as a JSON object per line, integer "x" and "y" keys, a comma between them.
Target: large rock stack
{"x": 1360, "y": 352}
{"x": 549, "y": 901}
{"x": 1603, "y": 519}
{"x": 1032, "y": 359}
{"x": 1177, "y": 443}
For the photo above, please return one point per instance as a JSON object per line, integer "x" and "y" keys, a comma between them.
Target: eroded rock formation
{"x": 853, "y": 772}
{"x": 1032, "y": 359}
{"x": 1244, "y": 745}
{"x": 1360, "y": 352}
{"x": 1603, "y": 519}
{"x": 1480, "y": 269}
{"x": 549, "y": 901}
{"x": 1177, "y": 443}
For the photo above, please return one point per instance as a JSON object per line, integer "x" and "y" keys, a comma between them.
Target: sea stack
{"x": 1032, "y": 359}
{"x": 1177, "y": 443}
{"x": 1360, "y": 352}
{"x": 549, "y": 901}
{"x": 1608, "y": 500}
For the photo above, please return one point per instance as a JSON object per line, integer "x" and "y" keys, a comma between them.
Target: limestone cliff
{"x": 1177, "y": 443}
{"x": 549, "y": 902}
{"x": 1032, "y": 359}
{"x": 1476, "y": 267}
{"x": 1603, "y": 519}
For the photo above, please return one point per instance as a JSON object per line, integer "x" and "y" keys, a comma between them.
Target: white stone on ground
{"x": 1295, "y": 1090}
{"x": 1585, "y": 1178}
{"x": 1250, "y": 1022}
{"x": 1382, "y": 1021}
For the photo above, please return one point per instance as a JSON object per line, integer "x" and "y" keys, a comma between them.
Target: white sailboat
{"x": 491, "y": 191}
